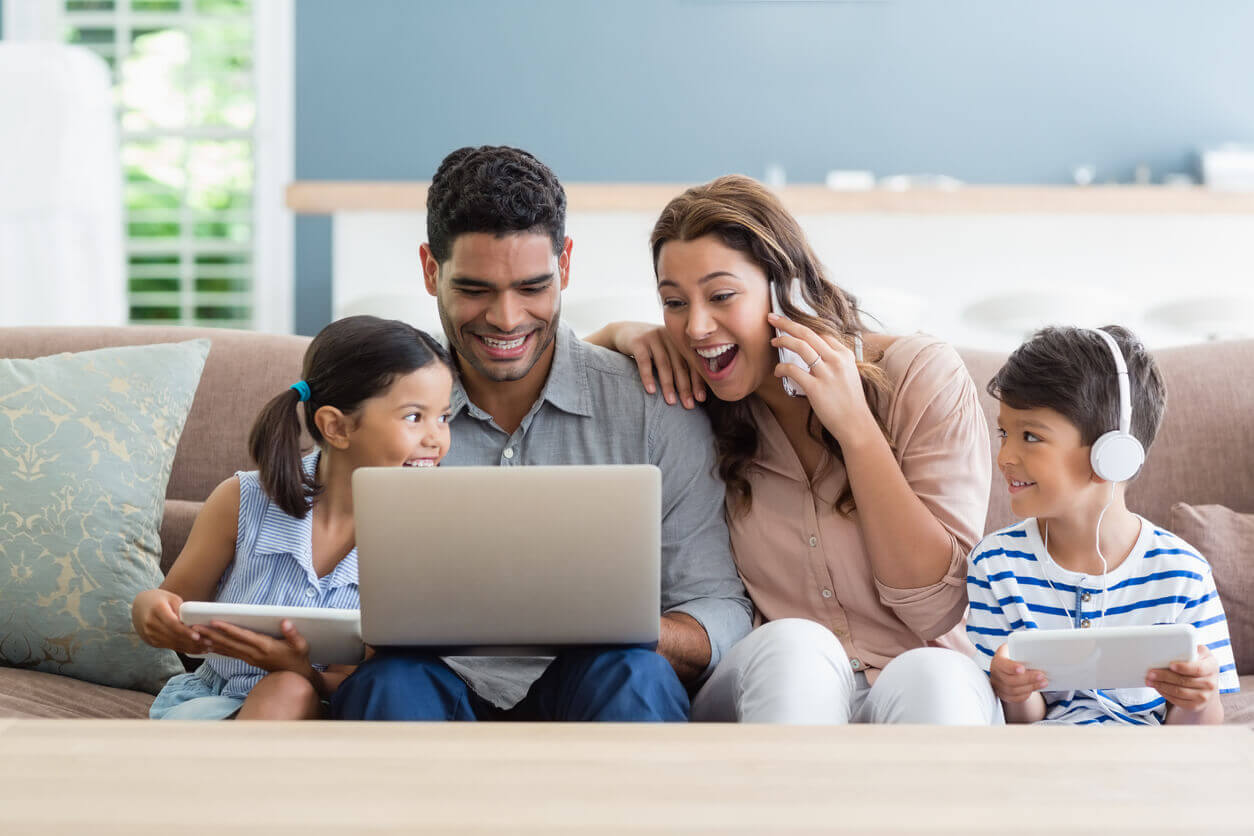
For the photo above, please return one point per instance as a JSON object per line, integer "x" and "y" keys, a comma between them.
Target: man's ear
{"x": 334, "y": 426}
{"x": 430, "y": 268}
{"x": 563, "y": 263}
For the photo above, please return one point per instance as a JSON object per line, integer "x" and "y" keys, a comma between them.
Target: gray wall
{"x": 988, "y": 91}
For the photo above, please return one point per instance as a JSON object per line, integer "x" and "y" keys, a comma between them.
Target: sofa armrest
{"x": 175, "y": 526}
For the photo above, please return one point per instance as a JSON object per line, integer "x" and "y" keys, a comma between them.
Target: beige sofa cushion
{"x": 1226, "y": 539}
{"x": 175, "y": 526}
{"x": 26, "y": 693}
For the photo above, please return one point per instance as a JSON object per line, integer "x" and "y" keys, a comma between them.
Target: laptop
{"x": 508, "y": 560}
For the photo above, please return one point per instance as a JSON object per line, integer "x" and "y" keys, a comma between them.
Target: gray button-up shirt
{"x": 593, "y": 410}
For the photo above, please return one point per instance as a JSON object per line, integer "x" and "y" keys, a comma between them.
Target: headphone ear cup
{"x": 1117, "y": 456}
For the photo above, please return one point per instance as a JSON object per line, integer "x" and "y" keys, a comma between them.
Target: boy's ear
{"x": 334, "y": 426}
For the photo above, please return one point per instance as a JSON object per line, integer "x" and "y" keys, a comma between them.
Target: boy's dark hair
{"x": 1071, "y": 371}
{"x": 350, "y": 360}
{"x": 493, "y": 189}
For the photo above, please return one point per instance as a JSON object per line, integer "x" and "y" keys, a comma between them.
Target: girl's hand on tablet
{"x": 290, "y": 653}
{"x": 155, "y": 615}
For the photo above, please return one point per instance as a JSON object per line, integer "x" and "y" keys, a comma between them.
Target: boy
{"x": 1081, "y": 558}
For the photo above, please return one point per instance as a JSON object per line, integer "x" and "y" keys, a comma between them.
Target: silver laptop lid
{"x": 508, "y": 559}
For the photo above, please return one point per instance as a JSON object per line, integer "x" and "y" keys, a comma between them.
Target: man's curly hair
{"x": 493, "y": 189}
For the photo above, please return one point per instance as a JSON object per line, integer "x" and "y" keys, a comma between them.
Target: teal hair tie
{"x": 303, "y": 388}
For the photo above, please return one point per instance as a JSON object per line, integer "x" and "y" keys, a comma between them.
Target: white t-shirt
{"x": 1163, "y": 581}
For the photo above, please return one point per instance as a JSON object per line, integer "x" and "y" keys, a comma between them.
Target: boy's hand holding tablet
{"x": 1014, "y": 681}
{"x": 1190, "y": 686}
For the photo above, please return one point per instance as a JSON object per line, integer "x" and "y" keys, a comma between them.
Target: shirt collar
{"x": 284, "y": 534}
{"x": 567, "y": 386}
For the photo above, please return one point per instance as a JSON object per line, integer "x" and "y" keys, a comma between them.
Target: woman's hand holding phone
{"x": 831, "y": 381}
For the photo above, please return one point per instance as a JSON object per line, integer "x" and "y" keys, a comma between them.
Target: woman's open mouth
{"x": 718, "y": 359}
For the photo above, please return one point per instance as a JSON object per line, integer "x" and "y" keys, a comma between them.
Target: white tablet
{"x": 1102, "y": 657}
{"x": 334, "y": 635}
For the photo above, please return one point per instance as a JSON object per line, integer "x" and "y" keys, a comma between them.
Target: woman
{"x": 852, "y": 507}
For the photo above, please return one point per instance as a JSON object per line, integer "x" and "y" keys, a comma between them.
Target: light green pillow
{"x": 86, "y": 445}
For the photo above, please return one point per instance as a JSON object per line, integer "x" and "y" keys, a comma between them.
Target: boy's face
{"x": 1044, "y": 461}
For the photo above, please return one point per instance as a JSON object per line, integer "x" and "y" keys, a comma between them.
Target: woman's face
{"x": 714, "y": 304}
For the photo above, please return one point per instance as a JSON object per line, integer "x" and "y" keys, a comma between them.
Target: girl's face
{"x": 714, "y": 304}
{"x": 406, "y": 425}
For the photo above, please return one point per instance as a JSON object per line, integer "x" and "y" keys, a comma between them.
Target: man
{"x": 531, "y": 392}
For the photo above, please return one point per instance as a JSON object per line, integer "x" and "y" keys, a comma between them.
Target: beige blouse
{"x": 800, "y": 558}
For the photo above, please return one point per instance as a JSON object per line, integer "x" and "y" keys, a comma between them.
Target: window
{"x": 188, "y": 85}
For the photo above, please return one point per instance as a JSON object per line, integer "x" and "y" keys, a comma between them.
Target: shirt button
{"x": 1086, "y": 597}
{"x": 827, "y": 593}
{"x": 309, "y": 593}
{"x": 814, "y": 541}
{"x": 1085, "y": 623}
{"x": 509, "y": 452}
{"x": 856, "y": 664}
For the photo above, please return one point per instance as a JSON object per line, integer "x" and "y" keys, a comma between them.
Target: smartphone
{"x": 787, "y": 355}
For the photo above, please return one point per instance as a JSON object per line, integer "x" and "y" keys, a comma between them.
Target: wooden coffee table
{"x": 173, "y": 778}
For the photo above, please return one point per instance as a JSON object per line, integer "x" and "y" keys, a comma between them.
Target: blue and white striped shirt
{"x": 1163, "y": 581}
{"x": 273, "y": 565}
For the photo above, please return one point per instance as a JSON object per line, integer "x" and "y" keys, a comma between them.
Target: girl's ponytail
{"x": 274, "y": 443}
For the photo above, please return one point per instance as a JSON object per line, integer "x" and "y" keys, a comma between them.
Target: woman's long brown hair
{"x": 747, "y": 217}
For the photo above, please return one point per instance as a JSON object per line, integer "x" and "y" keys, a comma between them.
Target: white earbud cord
{"x": 1100, "y": 556}
{"x": 1098, "y": 697}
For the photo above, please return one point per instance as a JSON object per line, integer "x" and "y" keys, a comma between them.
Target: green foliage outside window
{"x": 186, "y": 104}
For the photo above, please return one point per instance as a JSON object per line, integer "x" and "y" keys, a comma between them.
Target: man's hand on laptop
{"x": 683, "y": 642}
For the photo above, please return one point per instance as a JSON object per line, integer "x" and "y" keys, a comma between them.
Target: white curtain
{"x": 61, "y": 228}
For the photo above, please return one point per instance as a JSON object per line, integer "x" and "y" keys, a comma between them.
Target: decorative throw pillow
{"x": 86, "y": 446}
{"x": 1226, "y": 539}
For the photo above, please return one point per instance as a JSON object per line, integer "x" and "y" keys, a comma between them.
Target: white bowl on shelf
{"x": 417, "y": 308}
{"x": 1022, "y": 313}
{"x": 1206, "y": 318}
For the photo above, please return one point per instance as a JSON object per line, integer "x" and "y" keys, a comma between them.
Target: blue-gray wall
{"x": 990, "y": 91}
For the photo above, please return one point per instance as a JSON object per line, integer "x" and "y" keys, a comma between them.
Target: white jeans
{"x": 795, "y": 671}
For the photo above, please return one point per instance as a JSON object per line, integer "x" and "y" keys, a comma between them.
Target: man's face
{"x": 499, "y": 299}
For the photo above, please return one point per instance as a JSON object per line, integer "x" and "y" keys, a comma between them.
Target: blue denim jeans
{"x": 607, "y": 685}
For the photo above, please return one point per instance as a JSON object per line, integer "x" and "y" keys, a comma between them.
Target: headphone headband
{"x": 1121, "y": 369}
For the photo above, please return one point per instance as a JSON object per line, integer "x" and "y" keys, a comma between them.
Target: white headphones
{"x": 1117, "y": 455}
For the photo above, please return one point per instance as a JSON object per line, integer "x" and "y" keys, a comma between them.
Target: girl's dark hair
{"x": 350, "y": 360}
{"x": 749, "y": 218}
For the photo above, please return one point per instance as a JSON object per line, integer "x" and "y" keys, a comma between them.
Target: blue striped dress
{"x": 1163, "y": 581}
{"x": 273, "y": 565}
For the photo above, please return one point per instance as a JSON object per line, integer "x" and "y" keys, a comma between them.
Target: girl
{"x": 374, "y": 393}
{"x": 851, "y": 509}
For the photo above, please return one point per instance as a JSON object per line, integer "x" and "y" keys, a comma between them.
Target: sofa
{"x": 1204, "y": 456}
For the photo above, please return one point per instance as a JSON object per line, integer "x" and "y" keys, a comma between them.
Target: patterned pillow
{"x": 86, "y": 446}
